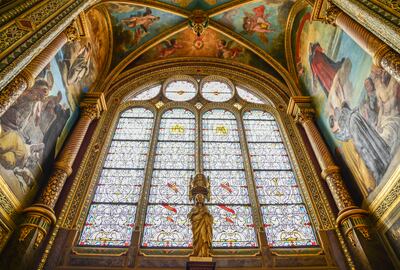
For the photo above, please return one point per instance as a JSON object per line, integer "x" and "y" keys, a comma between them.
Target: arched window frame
{"x": 191, "y": 105}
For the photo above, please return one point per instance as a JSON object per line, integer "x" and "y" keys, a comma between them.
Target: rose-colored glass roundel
{"x": 216, "y": 91}
{"x": 180, "y": 90}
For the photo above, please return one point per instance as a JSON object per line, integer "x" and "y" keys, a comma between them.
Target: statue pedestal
{"x": 200, "y": 263}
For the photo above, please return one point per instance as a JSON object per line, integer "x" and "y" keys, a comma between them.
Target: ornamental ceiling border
{"x": 296, "y": 8}
{"x": 46, "y": 25}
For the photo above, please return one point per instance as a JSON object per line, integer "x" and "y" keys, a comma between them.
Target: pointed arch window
{"x": 207, "y": 126}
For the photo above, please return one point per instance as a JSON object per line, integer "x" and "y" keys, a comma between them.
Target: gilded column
{"x": 40, "y": 215}
{"x": 301, "y": 109}
{"x": 382, "y": 55}
{"x": 26, "y": 78}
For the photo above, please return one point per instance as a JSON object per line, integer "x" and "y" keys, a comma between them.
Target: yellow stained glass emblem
{"x": 221, "y": 130}
{"x": 177, "y": 129}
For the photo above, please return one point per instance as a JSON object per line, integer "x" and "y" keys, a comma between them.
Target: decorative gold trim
{"x": 294, "y": 11}
{"x": 228, "y": 6}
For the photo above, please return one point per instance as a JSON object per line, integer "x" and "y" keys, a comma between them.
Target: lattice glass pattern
{"x": 180, "y": 90}
{"x": 112, "y": 213}
{"x": 216, "y": 91}
{"x": 249, "y": 96}
{"x": 148, "y": 94}
{"x": 166, "y": 219}
{"x": 223, "y": 162}
{"x": 284, "y": 214}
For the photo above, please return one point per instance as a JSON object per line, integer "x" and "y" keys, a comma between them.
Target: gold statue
{"x": 200, "y": 217}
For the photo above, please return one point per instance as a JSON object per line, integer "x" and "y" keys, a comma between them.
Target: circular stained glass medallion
{"x": 180, "y": 90}
{"x": 216, "y": 91}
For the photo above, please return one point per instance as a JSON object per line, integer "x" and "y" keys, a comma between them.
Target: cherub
{"x": 169, "y": 47}
{"x": 226, "y": 50}
{"x": 257, "y": 23}
{"x": 144, "y": 21}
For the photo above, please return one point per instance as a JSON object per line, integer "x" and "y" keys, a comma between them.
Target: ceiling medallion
{"x": 198, "y": 21}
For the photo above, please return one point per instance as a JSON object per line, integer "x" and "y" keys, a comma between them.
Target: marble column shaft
{"x": 382, "y": 55}
{"x": 26, "y": 78}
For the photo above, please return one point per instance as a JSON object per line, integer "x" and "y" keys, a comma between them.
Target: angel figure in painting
{"x": 144, "y": 21}
{"x": 169, "y": 47}
{"x": 200, "y": 217}
{"x": 257, "y": 23}
{"x": 226, "y": 50}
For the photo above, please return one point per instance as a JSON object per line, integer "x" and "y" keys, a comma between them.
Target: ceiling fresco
{"x": 262, "y": 23}
{"x": 196, "y": 4}
{"x": 134, "y": 25}
{"x": 256, "y": 25}
{"x": 209, "y": 44}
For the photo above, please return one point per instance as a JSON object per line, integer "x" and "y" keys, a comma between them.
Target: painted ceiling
{"x": 250, "y": 32}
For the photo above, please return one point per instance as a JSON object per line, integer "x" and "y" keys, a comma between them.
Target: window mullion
{"x": 257, "y": 216}
{"x": 144, "y": 198}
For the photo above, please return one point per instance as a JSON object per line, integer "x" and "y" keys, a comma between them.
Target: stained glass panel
{"x": 284, "y": 214}
{"x": 148, "y": 93}
{"x": 112, "y": 213}
{"x": 249, "y": 96}
{"x": 288, "y": 225}
{"x": 223, "y": 162}
{"x": 216, "y": 91}
{"x": 167, "y": 224}
{"x": 180, "y": 90}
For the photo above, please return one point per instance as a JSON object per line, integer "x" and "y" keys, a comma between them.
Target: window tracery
{"x": 194, "y": 140}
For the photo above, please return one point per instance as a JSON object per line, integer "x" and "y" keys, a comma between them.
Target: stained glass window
{"x": 166, "y": 222}
{"x": 180, "y": 90}
{"x": 148, "y": 93}
{"x": 216, "y": 91}
{"x": 111, "y": 217}
{"x": 249, "y": 96}
{"x": 223, "y": 162}
{"x": 284, "y": 214}
{"x": 220, "y": 155}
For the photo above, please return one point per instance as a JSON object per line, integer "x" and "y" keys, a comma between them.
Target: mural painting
{"x": 134, "y": 25}
{"x": 209, "y": 44}
{"x": 358, "y": 104}
{"x": 393, "y": 237}
{"x": 261, "y": 22}
{"x": 196, "y": 4}
{"x": 34, "y": 128}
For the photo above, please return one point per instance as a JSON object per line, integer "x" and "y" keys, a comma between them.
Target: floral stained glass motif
{"x": 249, "y": 96}
{"x": 111, "y": 215}
{"x": 180, "y": 90}
{"x": 223, "y": 162}
{"x": 216, "y": 91}
{"x": 284, "y": 214}
{"x": 166, "y": 222}
{"x": 148, "y": 93}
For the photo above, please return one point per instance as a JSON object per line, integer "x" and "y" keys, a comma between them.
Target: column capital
{"x": 72, "y": 32}
{"x": 301, "y": 108}
{"x": 92, "y": 105}
{"x": 331, "y": 13}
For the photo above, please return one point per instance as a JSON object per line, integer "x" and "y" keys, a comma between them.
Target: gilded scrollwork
{"x": 391, "y": 63}
{"x": 53, "y": 188}
{"x": 339, "y": 191}
{"x": 332, "y": 12}
{"x": 11, "y": 92}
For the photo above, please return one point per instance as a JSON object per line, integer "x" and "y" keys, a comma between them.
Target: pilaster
{"x": 40, "y": 216}
{"x": 26, "y": 78}
{"x": 351, "y": 219}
